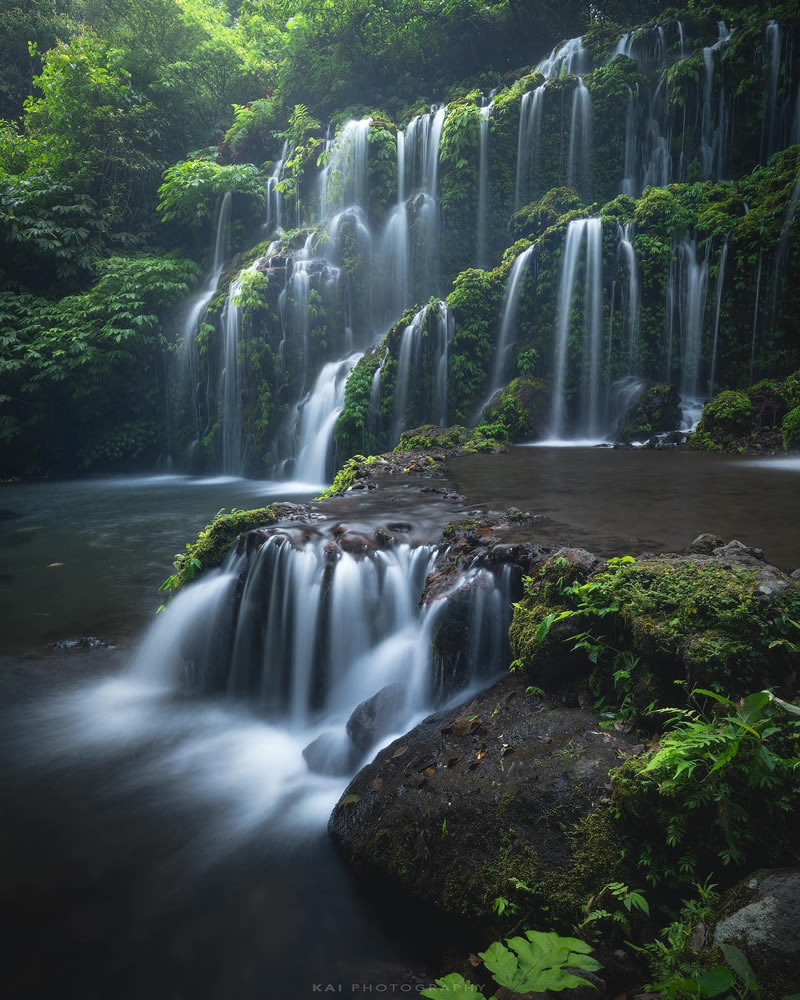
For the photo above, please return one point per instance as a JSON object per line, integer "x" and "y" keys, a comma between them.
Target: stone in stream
{"x": 330, "y": 753}
{"x": 376, "y": 717}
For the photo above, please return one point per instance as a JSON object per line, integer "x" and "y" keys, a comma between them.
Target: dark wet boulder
{"x": 522, "y": 409}
{"x": 761, "y": 916}
{"x": 656, "y": 411}
{"x": 502, "y": 786}
{"x": 80, "y": 642}
{"x": 704, "y": 544}
{"x": 376, "y": 717}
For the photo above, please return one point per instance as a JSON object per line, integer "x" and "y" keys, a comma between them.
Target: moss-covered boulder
{"x": 656, "y": 411}
{"x": 429, "y": 437}
{"x": 502, "y": 788}
{"x": 723, "y": 620}
{"x": 522, "y": 409}
{"x": 763, "y": 417}
{"x": 215, "y": 541}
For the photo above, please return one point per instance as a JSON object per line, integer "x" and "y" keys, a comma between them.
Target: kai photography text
{"x": 367, "y": 989}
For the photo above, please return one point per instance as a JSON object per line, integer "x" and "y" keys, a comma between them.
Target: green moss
{"x": 213, "y": 543}
{"x": 354, "y": 468}
{"x": 521, "y": 409}
{"x": 432, "y": 438}
{"x": 695, "y": 620}
{"x": 791, "y": 429}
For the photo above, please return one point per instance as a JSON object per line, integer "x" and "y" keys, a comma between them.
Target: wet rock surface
{"x": 763, "y": 919}
{"x": 499, "y": 785}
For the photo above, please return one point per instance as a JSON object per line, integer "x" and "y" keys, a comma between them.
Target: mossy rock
{"x": 722, "y": 621}
{"x": 215, "y": 540}
{"x": 657, "y": 410}
{"x": 429, "y": 437}
{"x": 791, "y": 430}
{"x": 522, "y": 409}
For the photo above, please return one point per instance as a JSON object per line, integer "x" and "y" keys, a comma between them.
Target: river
{"x": 171, "y": 845}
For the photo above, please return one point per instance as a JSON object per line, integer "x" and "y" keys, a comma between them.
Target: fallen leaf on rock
{"x": 481, "y": 753}
{"x": 505, "y": 748}
{"x": 377, "y": 784}
{"x": 399, "y": 753}
{"x": 349, "y": 800}
{"x": 430, "y": 771}
{"x": 463, "y": 725}
{"x": 51, "y": 565}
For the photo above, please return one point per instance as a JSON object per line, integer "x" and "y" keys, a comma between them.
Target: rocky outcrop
{"x": 656, "y": 411}
{"x": 522, "y": 408}
{"x": 716, "y": 614}
{"x": 502, "y": 787}
{"x": 761, "y": 916}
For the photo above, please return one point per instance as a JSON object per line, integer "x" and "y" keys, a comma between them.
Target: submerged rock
{"x": 330, "y": 753}
{"x": 81, "y": 642}
{"x": 501, "y": 787}
{"x": 376, "y": 717}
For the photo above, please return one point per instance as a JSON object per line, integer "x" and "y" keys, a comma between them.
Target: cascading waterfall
{"x": 481, "y": 243}
{"x": 629, "y": 256}
{"x": 230, "y": 391}
{"x": 307, "y": 630}
{"x": 715, "y": 138}
{"x": 723, "y": 258}
{"x": 530, "y": 128}
{"x": 509, "y": 327}
{"x": 419, "y": 348}
{"x": 343, "y": 181}
{"x": 569, "y": 57}
{"x": 274, "y": 198}
{"x": 579, "y": 231}
{"x": 691, "y": 309}
{"x": 755, "y": 318}
{"x": 316, "y": 418}
{"x": 199, "y": 304}
{"x": 580, "y": 139}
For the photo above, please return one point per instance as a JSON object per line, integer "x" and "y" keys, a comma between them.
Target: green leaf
{"x": 715, "y": 981}
{"x": 539, "y": 962}
{"x": 737, "y": 960}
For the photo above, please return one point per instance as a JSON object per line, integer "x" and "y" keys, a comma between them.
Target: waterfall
{"x": 509, "y": 331}
{"x": 772, "y": 65}
{"x": 421, "y": 149}
{"x": 422, "y": 350}
{"x": 530, "y": 128}
{"x": 570, "y": 57}
{"x": 692, "y": 303}
{"x": 755, "y": 319}
{"x": 343, "y": 181}
{"x": 316, "y": 418}
{"x": 592, "y": 230}
{"x": 230, "y": 391}
{"x": 629, "y": 255}
{"x": 274, "y": 198}
{"x": 307, "y": 629}
{"x": 396, "y": 241}
{"x": 714, "y": 139}
{"x": 482, "y": 248}
{"x": 723, "y": 258}
{"x": 580, "y": 140}
{"x": 670, "y": 314}
{"x": 629, "y": 185}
